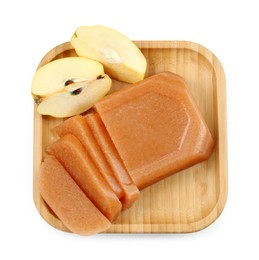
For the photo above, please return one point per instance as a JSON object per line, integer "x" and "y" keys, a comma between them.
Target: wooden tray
{"x": 187, "y": 201}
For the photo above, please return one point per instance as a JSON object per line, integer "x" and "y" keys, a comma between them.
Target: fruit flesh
{"x": 156, "y": 128}
{"x": 69, "y": 86}
{"x": 78, "y": 127}
{"x": 68, "y": 201}
{"x": 71, "y": 154}
{"x": 52, "y": 77}
{"x": 121, "y": 58}
{"x": 69, "y": 101}
{"x": 130, "y": 190}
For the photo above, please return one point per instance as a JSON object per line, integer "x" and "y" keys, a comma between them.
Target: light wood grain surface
{"x": 189, "y": 200}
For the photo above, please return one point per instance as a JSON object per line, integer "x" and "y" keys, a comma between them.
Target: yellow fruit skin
{"x": 121, "y": 58}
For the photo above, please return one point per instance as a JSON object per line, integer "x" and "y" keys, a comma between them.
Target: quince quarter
{"x": 69, "y": 86}
{"x": 120, "y": 57}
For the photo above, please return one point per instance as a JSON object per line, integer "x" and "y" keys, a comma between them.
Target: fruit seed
{"x": 76, "y": 91}
{"x": 68, "y": 82}
{"x": 100, "y": 77}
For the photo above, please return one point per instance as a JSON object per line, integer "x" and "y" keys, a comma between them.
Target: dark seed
{"x": 68, "y": 82}
{"x": 100, "y": 77}
{"x": 76, "y": 91}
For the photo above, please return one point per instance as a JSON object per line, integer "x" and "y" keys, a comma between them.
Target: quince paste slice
{"x": 68, "y": 201}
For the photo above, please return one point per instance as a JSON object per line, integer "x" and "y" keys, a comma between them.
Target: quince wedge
{"x": 69, "y": 86}
{"x": 121, "y": 58}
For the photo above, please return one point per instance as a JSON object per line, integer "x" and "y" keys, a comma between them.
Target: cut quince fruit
{"x": 120, "y": 57}
{"x": 69, "y": 86}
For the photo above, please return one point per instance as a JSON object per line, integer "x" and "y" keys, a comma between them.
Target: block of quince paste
{"x": 68, "y": 201}
{"x": 129, "y": 188}
{"x": 156, "y": 127}
{"x": 78, "y": 127}
{"x": 71, "y": 154}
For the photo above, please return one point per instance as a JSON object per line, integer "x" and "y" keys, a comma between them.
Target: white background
{"x": 29, "y": 29}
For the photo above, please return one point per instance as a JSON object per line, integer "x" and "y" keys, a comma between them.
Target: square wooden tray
{"x": 189, "y": 200}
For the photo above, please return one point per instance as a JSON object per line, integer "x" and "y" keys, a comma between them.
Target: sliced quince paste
{"x": 71, "y": 154}
{"x": 68, "y": 201}
{"x": 130, "y": 190}
{"x": 78, "y": 127}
